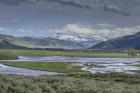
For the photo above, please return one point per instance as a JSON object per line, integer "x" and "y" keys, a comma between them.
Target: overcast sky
{"x": 86, "y": 18}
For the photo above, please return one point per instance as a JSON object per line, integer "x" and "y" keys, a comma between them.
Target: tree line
{"x": 133, "y": 52}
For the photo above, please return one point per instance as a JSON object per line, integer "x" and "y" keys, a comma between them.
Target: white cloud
{"x": 2, "y": 29}
{"x": 21, "y": 30}
{"x": 101, "y": 32}
{"x": 25, "y": 30}
{"x": 106, "y": 25}
{"x": 77, "y": 28}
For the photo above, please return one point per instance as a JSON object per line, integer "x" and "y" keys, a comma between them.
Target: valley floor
{"x": 74, "y": 80}
{"x": 71, "y": 53}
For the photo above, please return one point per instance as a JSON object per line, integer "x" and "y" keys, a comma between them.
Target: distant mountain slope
{"x": 47, "y": 42}
{"x": 7, "y": 45}
{"x": 131, "y": 41}
{"x": 8, "y": 41}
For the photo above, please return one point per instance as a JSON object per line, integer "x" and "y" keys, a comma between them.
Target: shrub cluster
{"x": 104, "y": 83}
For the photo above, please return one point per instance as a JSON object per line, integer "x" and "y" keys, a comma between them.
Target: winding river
{"x": 105, "y": 65}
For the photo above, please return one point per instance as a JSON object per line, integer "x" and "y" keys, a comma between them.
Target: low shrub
{"x": 70, "y": 84}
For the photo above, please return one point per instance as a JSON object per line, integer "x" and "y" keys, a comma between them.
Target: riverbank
{"x": 124, "y": 65}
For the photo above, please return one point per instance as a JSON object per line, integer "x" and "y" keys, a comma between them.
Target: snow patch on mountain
{"x": 70, "y": 37}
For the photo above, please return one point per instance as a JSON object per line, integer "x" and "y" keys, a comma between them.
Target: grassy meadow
{"x": 62, "y": 67}
{"x": 64, "y": 53}
{"x": 7, "y": 56}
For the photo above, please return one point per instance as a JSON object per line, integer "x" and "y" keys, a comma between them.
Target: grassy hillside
{"x": 126, "y": 42}
{"x": 8, "y": 45}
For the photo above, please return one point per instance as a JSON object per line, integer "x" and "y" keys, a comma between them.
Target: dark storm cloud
{"x": 115, "y": 9}
{"x": 8, "y": 19}
{"x": 69, "y": 3}
{"x": 61, "y": 2}
{"x": 14, "y": 2}
{"x": 121, "y": 7}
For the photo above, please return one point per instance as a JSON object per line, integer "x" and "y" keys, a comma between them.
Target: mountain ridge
{"x": 39, "y": 42}
{"x": 126, "y": 42}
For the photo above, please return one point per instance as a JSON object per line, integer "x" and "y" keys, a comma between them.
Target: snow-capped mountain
{"x": 70, "y": 37}
{"x": 87, "y": 42}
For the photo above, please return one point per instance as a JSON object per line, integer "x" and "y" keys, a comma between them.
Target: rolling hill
{"x": 7, "y": 45}
{"x": 126, "y": 42}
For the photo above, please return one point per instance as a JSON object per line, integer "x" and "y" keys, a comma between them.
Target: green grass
{"x": 13, "y": 54}
{"x": 48, "y": 66}
{"x": 136, "y": 65}
{"x": 7, "y": 56}
{"x": 65, "y": 53}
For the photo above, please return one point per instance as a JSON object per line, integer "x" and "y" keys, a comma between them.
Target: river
{"x": 105, "y": 65}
